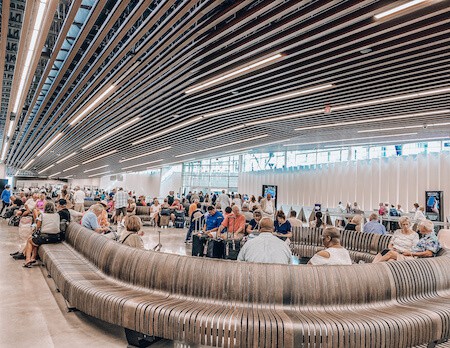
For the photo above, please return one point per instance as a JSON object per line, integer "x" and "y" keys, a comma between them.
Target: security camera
{"x": 425, "y": 126}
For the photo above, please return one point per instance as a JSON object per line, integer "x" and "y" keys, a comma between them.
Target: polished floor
{"x": 34, "y": 314}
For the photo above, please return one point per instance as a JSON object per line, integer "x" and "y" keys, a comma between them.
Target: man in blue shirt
{"x": 6, "y": 198}
{"x": 90, "y": 219}
{"x": 373, "y": 225}
{"x": 212, "y": 221}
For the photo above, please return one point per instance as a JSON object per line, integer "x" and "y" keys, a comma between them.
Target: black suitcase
{"x": 198, "y": 245}
{"x": 165, "y": 212}
{"x": 179, "y": 224}
{"x": 232, "y": 249}
{"x": 215, "y": 249}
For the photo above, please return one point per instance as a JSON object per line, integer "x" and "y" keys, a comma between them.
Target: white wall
{"x": 142, "y": 183}
{"x": 94, "y": 182}
{"x": 35, "y": 182}
{"x": 171, "y": 180}
{"x": 397, "y": 180}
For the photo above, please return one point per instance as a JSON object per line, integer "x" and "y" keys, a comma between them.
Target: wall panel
{"x": 397, "y": 180}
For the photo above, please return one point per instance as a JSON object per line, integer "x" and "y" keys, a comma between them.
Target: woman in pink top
{"x": 40, "y": 203}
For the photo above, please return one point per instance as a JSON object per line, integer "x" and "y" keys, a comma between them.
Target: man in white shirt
{"x": 78, "y": 198}
{"x": 267, "y": 206}
{"x": 266, "y": 248}
{"x": 293, "y": 219}
{"x": 121, "y": 202}
{"x": 224, "y": 200}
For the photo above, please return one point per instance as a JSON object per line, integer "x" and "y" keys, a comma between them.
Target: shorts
{"x": 122, "y": 210}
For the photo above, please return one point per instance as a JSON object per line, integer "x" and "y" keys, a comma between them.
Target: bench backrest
{"x": 142, "y": 210}
{"x": 232, "y": 282}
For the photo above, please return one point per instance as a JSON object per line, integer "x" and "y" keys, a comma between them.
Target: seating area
{"x": 395, "y": 304}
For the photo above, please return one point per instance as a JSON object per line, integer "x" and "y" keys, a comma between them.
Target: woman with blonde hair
{"x": 130, "y": 236}
{"x": 354, "y": 224}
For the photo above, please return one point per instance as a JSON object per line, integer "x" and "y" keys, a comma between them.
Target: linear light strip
{"x": 145, "y": 154}
{"x": 67, "y": 169}
{"x": 90, "y": 176}
{"x": 91, "y": 170}
{"x": 30, "y": 52}
{"x": 67, "y": 177}
{"x": 49, "y": 144}
{"x": 351, "y": 139}
{"x": 398, "y": 8}
{"x": 11, "y": 124}
{"x": 92, "y": 105}
{"x": 233, "y": 73}
{"x": 44, "y": 170}
{"x": 28, "y": 164}
{"x": 168, "y": 130}
{"x": 98, "y": 157}
{"x": 66, "y": 157}
{"x": 142, "y": 164}
{"x": 221, "y": 132}
{"x": 224, "y": 145}
{"x": 404, "y": 127}
{"x": 114, "y": 131}
{"x": 234, "y": 108}
{"x": 5, "y": 147}
{"x": 378, "y": 119}
{"x": 54, "y": 174}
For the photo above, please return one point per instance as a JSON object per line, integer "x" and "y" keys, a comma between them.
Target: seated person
{"x": 317, "y": 222}
{"x": 176, "y": 205}
{"x": 265, "y": 248}
{"x": 103, "y": 217}
{"x": 293, "y": 219}
{"x": 354, "y": 224}
{"x": 47, "y": 231}
{"x": 63, "y": 212}
{"x": 131, "y": 236}
{"x": 282, "y": 227}
{"x": 374, "y": 225}
{"x": 402, "y": 241}
{"x": 253, "y": 225}
{"x": 247, "y": 213}
{"x": 131, "y": 207}
{"x": 40, "y": 203}
{"x": 334, "y": 253}
{"x": 16, "y": 203}
{"x": 234, "y": 223}
{"x": 90, "y": 219}
{"x": 155, "y": 209}
{"x": 427, "y": 246}
{"x": 213, "y": 221}
{"x": 29, "y": 206}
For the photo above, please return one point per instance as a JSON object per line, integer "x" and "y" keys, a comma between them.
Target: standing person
{"x": 121, "y": 203}
{"x": 223, "y": 200}
{"x": 6, "y": 198}
{"x": 171, "y": 197}
{"x": 267, "y": 206}
{"x": 237, "y": 200}
{"x": 78, "y": 198}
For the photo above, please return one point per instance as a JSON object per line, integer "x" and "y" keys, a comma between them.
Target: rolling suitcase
{"x": 215, "y": 249}
{"x": 179, "y": 219}
{"x": 232, "y": 249}
{"x": 198, "y": 245}
{"x": 164, "y": 220}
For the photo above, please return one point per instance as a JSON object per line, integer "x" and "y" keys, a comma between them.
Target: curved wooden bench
{"x": 235, "y": 304}
{"x": 306, "y": 241}
{"x": 143, "y": 212}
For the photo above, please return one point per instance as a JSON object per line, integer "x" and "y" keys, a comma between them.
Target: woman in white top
{"x": 419, "y": 215}
{"x": 335, "y": 253}
{"x": 47, "y": 231}
{"x": 402, "y": 241}
{"x": 155, "y": 209}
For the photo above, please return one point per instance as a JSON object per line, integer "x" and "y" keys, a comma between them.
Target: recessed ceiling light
{"x": 235, "y": 92}
{"x": 365, "y": 50}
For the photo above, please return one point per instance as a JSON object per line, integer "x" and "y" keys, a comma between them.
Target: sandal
{"x": 29, "y": 264}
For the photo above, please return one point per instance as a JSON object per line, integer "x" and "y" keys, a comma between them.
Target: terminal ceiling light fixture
{"x": 351, "y": 139}
{"x": 67, "y": 177}
{"x": 45, "y": 169}
{"x": 5, "y": 147}
{"x": 146, "y": 154}
{"x": 54, "y": 174}
{"x": 11, "y": 125}
{"x": 91, "y": 170}
{"x": 378, "y": 119}
{"x": 66, "y": 157}
{"x": 67, "y": 169}
{"x": 92, "y": 105}
{"x": 100, "y": 156}
{"x": 405, "y": 127}
{"x": 54, "y": 140}
{"x": 98, "y": 174}
{"x": 30, "y": 53}
{"x": 224, "y": 145}
{"x": 398, "y": 8}
{"x": 28, "y": 164}
{"x": 242, "y": 70}
{"x": 221, "y": 132}
{"x": 114, "y": 131}
{"x": 142, "y": 164}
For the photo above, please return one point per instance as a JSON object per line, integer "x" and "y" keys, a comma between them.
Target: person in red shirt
{"x": 176, "y": 205}
{"x": 234, "y": 223}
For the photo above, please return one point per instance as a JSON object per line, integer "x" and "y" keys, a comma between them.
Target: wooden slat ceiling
{"x": 153, "y": 51}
